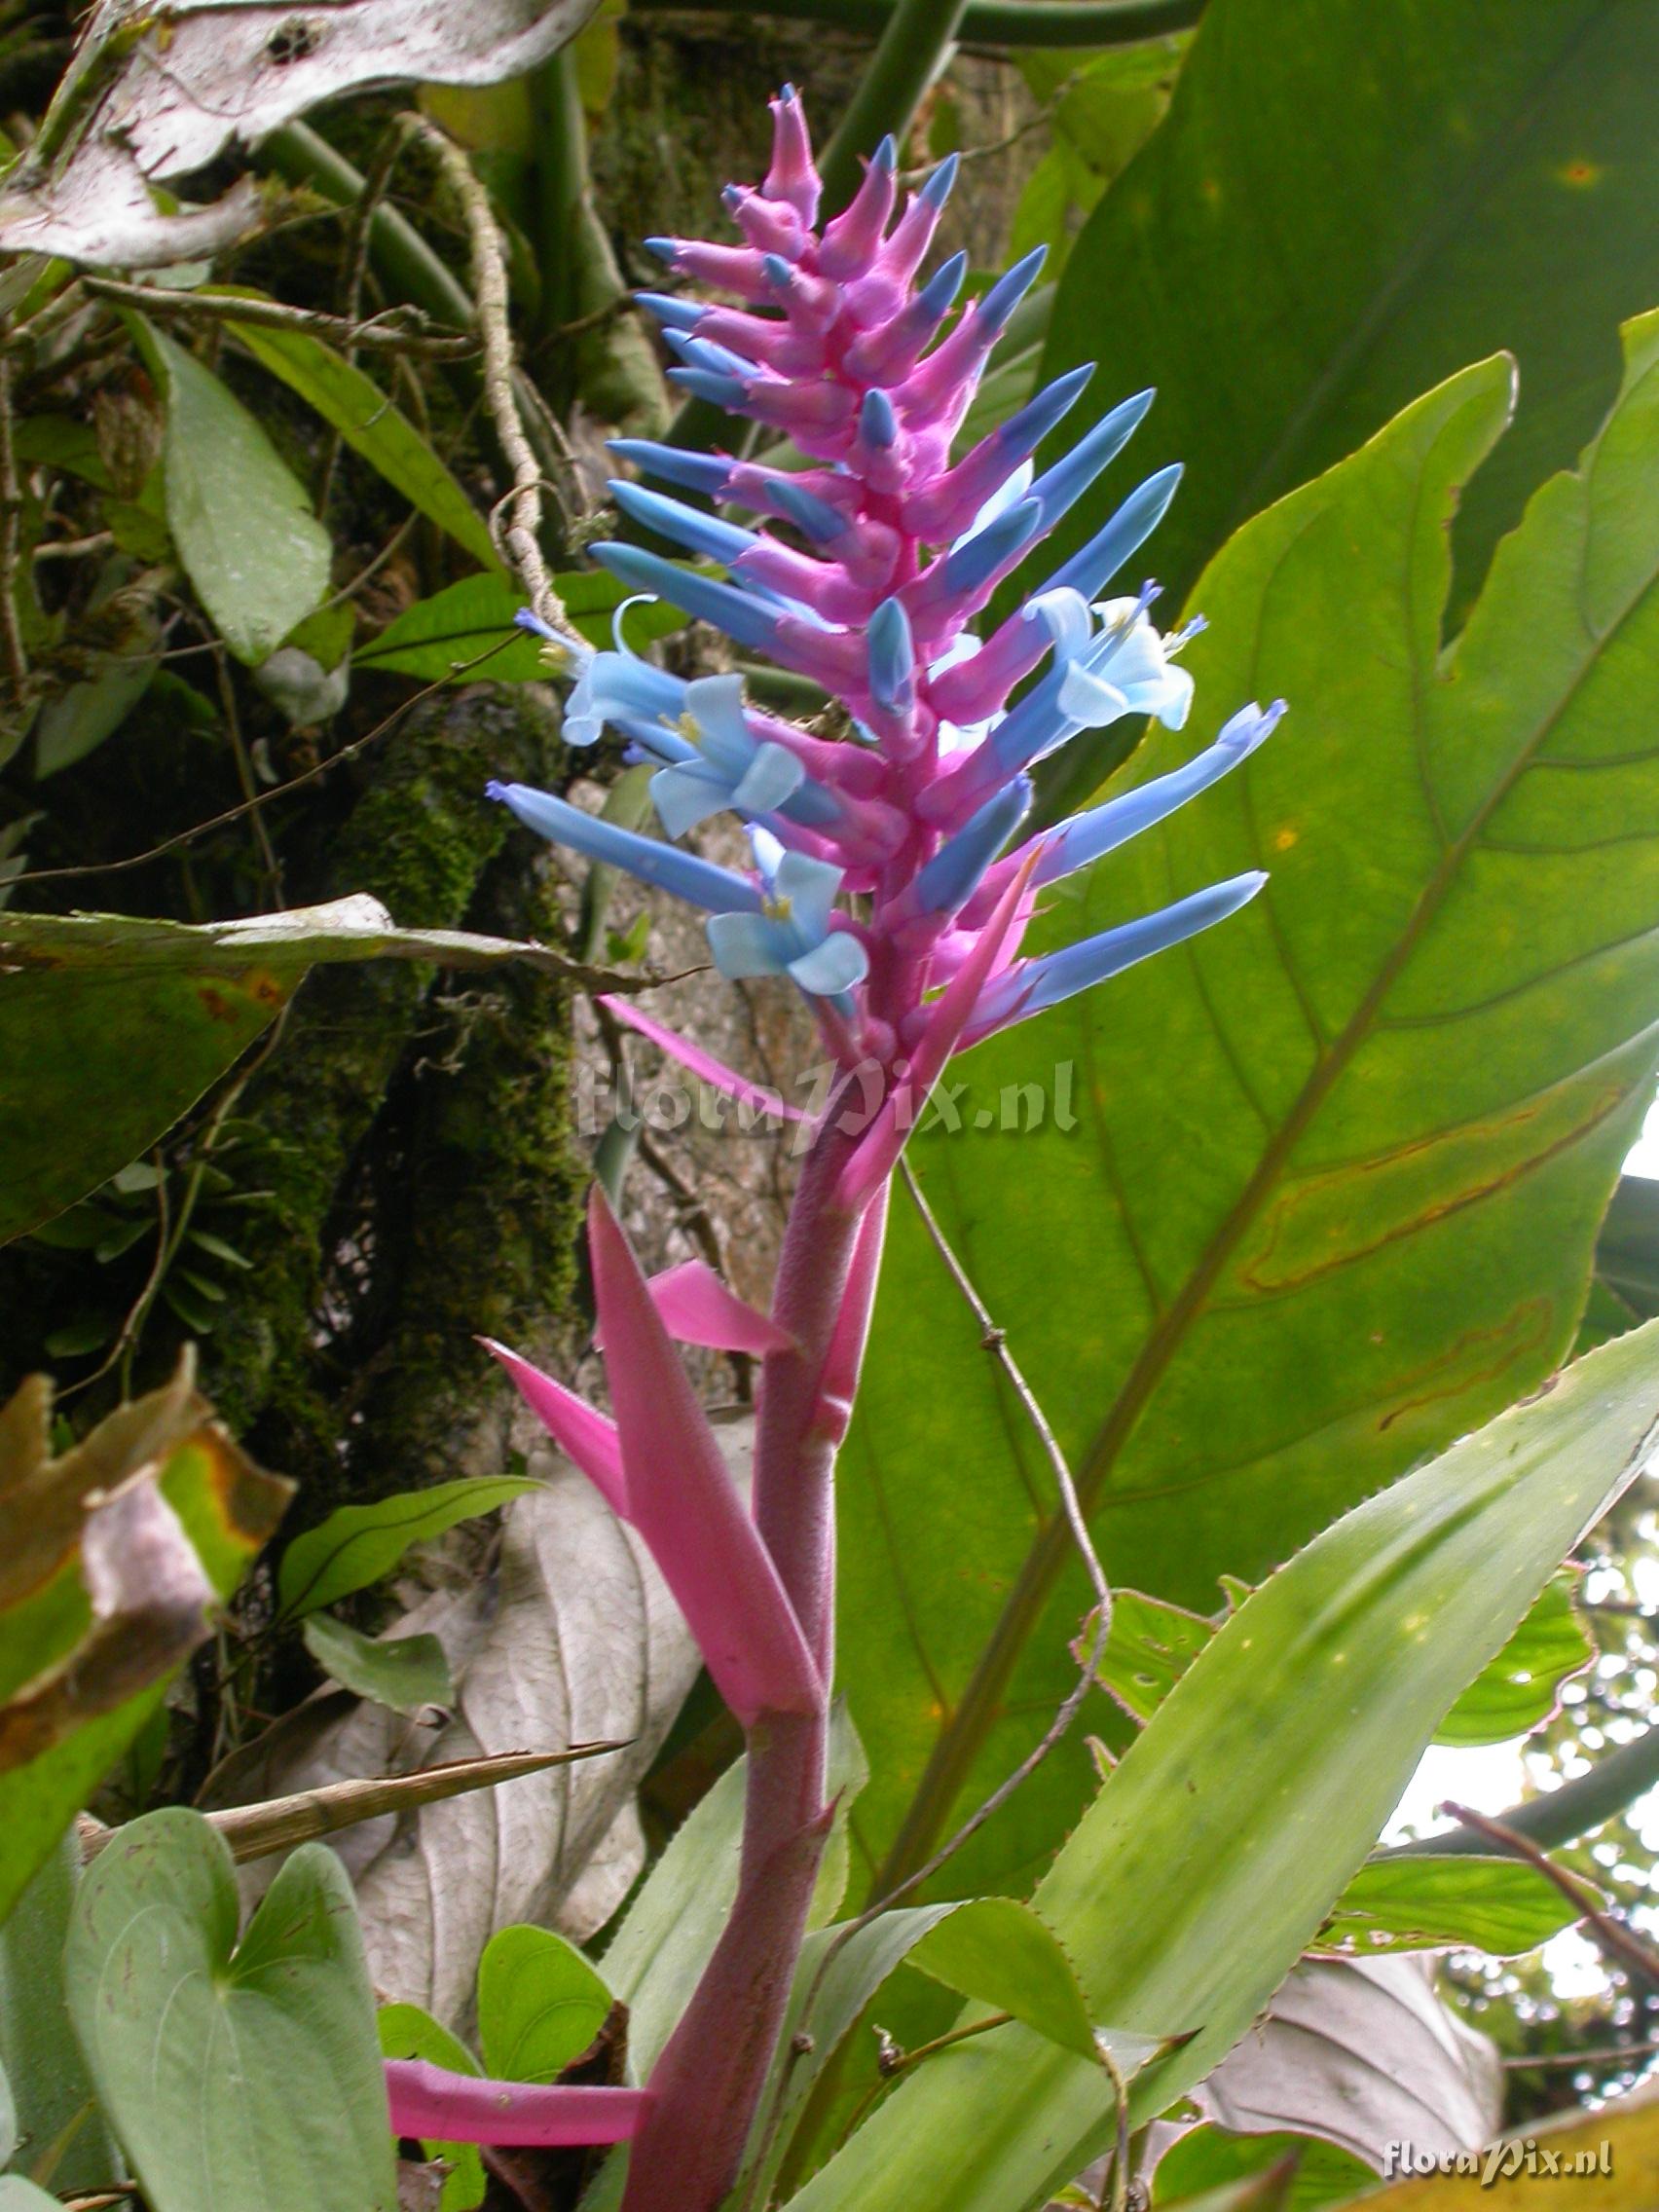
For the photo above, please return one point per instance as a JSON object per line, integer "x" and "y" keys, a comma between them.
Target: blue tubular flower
{"x": 618, "y": 689}
{"x": 704, "y": 473}
{"x": 716, "y": 762}
{"x": 1092, "y": 568}
{"x": 878, "y": 426}
{"x": 1124, "y": 670}
{"x": 1058, "y": 487}
{"x": 1031, "y": 987}
{"x": 705, "y": 535}
{"x": 734, "y": 611}
{"x": 1082, "y": 840}
{"x": 791, "y": 935}
{"x": 949, "y": 878}
{"x": 697, "y": 881}
{"x": 673, "y": 314}
{"x": 996, "y": 307}
{"x": 977, "y": 559}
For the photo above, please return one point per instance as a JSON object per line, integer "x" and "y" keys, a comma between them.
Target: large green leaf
{"x": 1334, "y": 1169}
{"x": 234, "y": 2073}
{"x": 374, "y": 427}
{"x": 110, "y": 1027}
{"x": 1349, "y": 200}
{"x": 242, "y": 522}
{"x": 1213, "y": 1851}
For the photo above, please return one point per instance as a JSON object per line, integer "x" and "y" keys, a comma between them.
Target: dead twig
{"x": 520, "y": 537}
{"x": 398, "y": 330}
{"x": 1616, "y": 1941}
{"x": 11, "y": 539}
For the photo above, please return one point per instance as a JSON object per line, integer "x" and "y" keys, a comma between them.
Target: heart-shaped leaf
{"x": 539, "y": 2005}
{"x": 234, "y": 2073}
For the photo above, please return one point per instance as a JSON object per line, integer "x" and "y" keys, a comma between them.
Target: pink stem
{"x": 438, "y": 2106}
{"x": 707, "y": 2083}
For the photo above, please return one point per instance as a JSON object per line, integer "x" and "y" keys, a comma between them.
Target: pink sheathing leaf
{"x": 428, "y": 2102}
{"x": 702, "y": 1064}
{"x": 839, "y": 1381}
{"x": 684, "y": 1503}
{"x": 884, "y": 1140}
{"x": 698, "y": 1309}
{"x": 582, "y": 1434}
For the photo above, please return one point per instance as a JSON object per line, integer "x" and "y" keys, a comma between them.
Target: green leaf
{"x": 51, "y": 2116}
{"x": 993, "y": 1949}
{"x": 358, "y": 1544}
{"x": 1500, "y": 1905}
{"x": 1151, "y": 1645}
{"x": 998, "y": 1950}
{"x": 444, "y": 636}
{"x": 242, "y": 524}
{"x": 408, "y": 2032}
{"x": 1348, "y": 201}
{"x": 112, "y": 1557}
{"x": 1333, "y": 1171}
{"x": 1150, "y": 1648}
{"x": 20, "y": 2195}
{"x": 76, "y": 721}
{"x": 1522, "y": 1687}
{"x": 371, "y": 425}
{"x": 1103, "y": 109}
{"x": 1214, "y": 1851}
{"x": 110, "y": 1027}
{"x": 59, "y": 441}
{"x": 541, "y": 2005}
{"x": 233, "y": 2073}
{"x": 1209, "y": 2170}
{"x": 407, "y": 1673}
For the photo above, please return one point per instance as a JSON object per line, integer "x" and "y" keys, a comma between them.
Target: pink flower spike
{"x": 878, "y": 1154}
{"x": 685, "y": 1503}
{"x": 435, "y": 2105}
{"x": 584, "y": 1436}
{"x": 715, "y": 1073}
{"x": 698, "y": 1309}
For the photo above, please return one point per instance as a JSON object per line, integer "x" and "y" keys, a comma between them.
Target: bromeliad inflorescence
{"x": 891, "y": 884}
{"x": 888, "y": 864}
